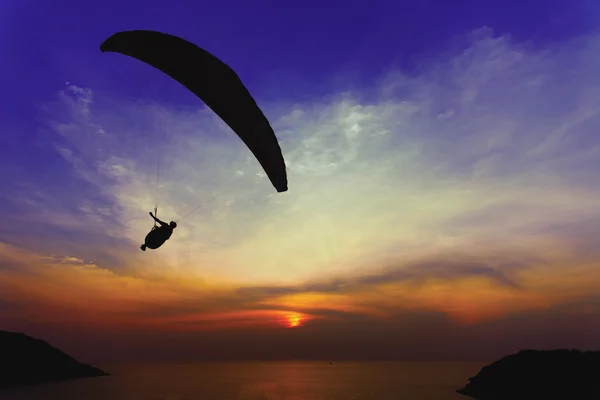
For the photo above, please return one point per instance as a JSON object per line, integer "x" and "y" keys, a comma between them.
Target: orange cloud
{"x": 71, "y": 292}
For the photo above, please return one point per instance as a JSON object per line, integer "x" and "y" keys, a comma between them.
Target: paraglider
{"x": 213, "y": 82}
{"x": 159, "y": 234}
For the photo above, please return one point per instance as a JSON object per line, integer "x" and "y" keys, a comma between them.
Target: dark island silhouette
{"x": 538, "y": 374}
{"x": 26, "y": 361}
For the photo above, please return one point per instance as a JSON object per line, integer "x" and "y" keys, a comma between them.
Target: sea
{"x": 263, "y": 381}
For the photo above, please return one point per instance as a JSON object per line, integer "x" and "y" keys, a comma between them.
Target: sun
{"x": 294, "y": 320}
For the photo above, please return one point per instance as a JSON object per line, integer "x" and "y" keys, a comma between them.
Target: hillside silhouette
{"x": 28, "y": 361}
{"x": 538, "y": 374}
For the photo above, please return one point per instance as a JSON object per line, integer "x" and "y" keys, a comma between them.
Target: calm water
{"x": 263, "y": 381}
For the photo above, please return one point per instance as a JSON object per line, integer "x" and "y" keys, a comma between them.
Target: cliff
{"x": 536, "y": 374}
{"x": 28, "y": 361}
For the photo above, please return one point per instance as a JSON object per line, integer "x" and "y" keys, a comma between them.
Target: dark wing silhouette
{"x": 215, "y": 83}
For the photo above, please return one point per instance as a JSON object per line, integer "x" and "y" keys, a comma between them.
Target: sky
{"x": 442, "y": 161}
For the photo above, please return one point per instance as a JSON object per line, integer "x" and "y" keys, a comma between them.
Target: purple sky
{"x": 282, "y": 52}
{"x": 419, "y": 146}
{"x": 270, "y": 44}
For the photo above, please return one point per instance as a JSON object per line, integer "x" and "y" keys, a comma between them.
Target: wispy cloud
{"x": 468, "y": 188}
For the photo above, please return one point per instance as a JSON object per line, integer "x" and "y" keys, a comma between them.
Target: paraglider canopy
{"x": 215, "y": 83}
